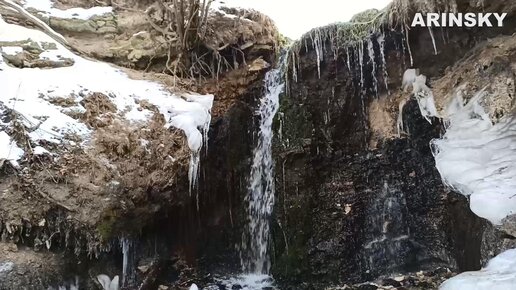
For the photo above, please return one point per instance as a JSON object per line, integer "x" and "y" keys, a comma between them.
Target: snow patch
{"x": 499, "y": 274}
{"x": 47, "y": 9}
{"x": 11, "y": 50}
{"x": 478, "y": 158}
{"x": 38, "y": 150}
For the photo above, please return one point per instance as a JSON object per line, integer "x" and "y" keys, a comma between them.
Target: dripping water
{"x": 370, "y": 50}
{"x": 260, "y": 194}
{"x": 381, "y": 42}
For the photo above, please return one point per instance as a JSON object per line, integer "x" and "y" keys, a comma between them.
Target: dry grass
{"x": 98, "y": 108}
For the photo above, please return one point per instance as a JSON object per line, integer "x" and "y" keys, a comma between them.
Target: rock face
{"x": 355, "y": 201}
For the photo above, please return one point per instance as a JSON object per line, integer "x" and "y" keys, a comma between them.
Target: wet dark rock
{"x": 391, "y": 282}
{"x": 367, "y": 287}
{"x": 411, "y": 281}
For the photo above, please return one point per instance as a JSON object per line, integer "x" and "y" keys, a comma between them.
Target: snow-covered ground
{"x": 478, "y": 159}
{"x": 47, "y": 9}
{"x": 30, "y": 93}
{"x": 499, "y": 274}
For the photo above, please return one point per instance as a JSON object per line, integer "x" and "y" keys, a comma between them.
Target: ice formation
{"x": 422, "y": 93}
{"x": 107, "y": 283}
{"x": 409, "y": 77}
{"x": 499, "y": 274}
{"x": 478, "y": 158}
{"x": 29, "y": 93}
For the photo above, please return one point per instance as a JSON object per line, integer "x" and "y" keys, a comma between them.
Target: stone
{"x": 258, "y": 65}
{"x": 509, "y": 225}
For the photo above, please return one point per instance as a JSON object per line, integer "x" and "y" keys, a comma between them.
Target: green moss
{"x": 283, "y": 41}
{"x": 106, "y": 228}
{"x": 291, "y": 261}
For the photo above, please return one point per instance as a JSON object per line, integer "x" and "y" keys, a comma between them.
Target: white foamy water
{"x": 247, "y": 282}
{"x": 260, "y": 196}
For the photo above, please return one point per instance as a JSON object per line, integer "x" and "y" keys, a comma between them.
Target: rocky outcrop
{"x": 72, "y": 204}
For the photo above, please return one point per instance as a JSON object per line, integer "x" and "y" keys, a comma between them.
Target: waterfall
{"x": 260, "y": 193}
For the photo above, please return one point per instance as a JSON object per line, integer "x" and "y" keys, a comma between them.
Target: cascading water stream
{"x": 260, "y": 195}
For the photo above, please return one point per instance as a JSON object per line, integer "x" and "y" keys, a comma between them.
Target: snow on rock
{"x": 38, "y": 150}
{"x": 29, "y": 93}
{"x": 478, "y": 159}
{"x": 499, "y": 274}
{"x": 46, "y": 8}
{"x": 9, "y": 150}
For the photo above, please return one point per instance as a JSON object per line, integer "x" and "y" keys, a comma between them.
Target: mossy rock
{"x": 365, "y": 16}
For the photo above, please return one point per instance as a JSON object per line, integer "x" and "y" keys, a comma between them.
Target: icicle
{"x": 193, "y": 170}
{"x": 318, "y": 47}
{"x": 403, "y": 49}
{"x": 433, "y": 40}
{"x": 347, "y": 58}
{"x": 205, "y": 130}
{"x": 399, "y": 123}
{"x": 361, "y": 63}
{"x": 127, "y": 275}
{"x": 370, "y": 50}
{"x": 405, "y": 31}
{"x": 334, "y": 47}
{"x": 381, "y": 42}
{"x": 294, "y": 68}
